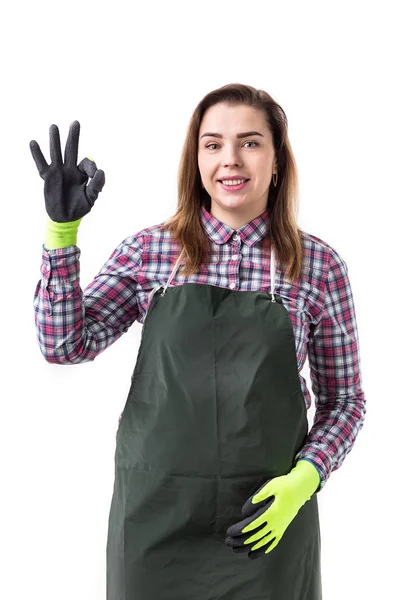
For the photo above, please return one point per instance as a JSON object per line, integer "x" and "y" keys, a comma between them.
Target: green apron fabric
{"x": 215, "y": 408}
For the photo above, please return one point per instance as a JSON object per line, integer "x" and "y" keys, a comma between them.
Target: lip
{"x": 233, "y": 177}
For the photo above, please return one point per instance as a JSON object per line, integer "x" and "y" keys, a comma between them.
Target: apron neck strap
{"x": 272, "y": 270}
{"x": 174, "y": 271}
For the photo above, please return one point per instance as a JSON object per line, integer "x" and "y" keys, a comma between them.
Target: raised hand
{"x": 67, "y": 195}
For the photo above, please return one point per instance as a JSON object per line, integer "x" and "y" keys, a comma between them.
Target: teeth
{"x": 233, "y": 181}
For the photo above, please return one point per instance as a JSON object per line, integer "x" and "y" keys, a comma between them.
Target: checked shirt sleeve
{"x": 74, "y": 326}
{"x": 334, "y": 361}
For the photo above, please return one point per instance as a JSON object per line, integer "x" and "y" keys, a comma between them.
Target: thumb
{"x": 261, "y": 501}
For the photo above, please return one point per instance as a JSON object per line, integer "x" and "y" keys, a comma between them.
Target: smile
{"x": 233, "y": 188}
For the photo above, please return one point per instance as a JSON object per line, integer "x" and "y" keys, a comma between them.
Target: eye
{"x": 213, "y": 144}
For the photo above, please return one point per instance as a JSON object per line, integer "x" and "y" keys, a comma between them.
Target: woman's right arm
{"x": 75, "y": 326}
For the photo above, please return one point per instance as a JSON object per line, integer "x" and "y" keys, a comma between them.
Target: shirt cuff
{"x": 59, "y": 269}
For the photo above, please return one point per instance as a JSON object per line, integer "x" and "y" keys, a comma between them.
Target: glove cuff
{"x": 308, "y": 477}
{"x": 61, "y": 235}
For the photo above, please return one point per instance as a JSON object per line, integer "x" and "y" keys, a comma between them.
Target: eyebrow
{"x": 239, "y": 135}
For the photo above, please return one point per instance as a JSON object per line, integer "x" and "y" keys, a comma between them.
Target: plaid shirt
{"x": 74, "y": 326}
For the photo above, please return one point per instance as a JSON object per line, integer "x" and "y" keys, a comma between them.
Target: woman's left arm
{"x": 334, "y": 361}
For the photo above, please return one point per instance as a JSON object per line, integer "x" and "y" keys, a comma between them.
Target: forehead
{"x": 227, "y": 119}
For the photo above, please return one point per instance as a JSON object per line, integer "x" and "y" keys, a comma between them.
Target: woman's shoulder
{"x": 320, "y": 255}
{"x": 148, "y": 237}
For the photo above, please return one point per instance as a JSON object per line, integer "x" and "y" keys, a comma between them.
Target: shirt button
{"x": 235, "y": 237}
{"x": 232, "y": 285}
{"x": 234, "y": 257}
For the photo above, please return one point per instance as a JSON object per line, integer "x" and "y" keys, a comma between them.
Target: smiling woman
{"x": 214, "y": 463}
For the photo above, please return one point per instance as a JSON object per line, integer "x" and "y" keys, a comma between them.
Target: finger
{"x": 95, "y": 185}
{"x": 38, "y": 157}
{"x": 237, "y": 528}
{"x": 267, "y": 538}
{"x": 71, "y": 146}
{"x": 55, "y": 148}
{"x": 238, "y": 540}
{"x": 262, "y": 533}
{"x": 272, "y": 545}
{"x": 88, "y": 167}
{"x": 262, "y": 551}
{"x": 260, "y": 518}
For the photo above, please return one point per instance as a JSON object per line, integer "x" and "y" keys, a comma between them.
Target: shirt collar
{"x": 219, "y": 232}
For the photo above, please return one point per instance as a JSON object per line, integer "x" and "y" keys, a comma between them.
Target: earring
{"x": 275, "y": 179}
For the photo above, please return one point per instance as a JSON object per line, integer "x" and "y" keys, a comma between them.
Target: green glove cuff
{"x": 61, "y": 235}
{"x": 308, "y": 477}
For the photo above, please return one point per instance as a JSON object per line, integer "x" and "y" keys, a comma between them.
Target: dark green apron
{"x": 215, "y": 408}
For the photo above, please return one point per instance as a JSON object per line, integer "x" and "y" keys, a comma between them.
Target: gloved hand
{"x": 279, "y": 500}
{"x": 67, "y": 195}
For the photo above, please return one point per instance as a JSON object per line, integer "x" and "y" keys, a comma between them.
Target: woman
{"x": 214, "y": 462}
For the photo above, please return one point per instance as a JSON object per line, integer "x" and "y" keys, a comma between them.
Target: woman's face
{"x": 223, "y": 154}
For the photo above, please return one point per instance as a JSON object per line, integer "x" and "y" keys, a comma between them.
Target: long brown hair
{"x": 282, "y": 206}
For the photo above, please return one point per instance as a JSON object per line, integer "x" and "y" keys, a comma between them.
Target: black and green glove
{"x": 68, "y": 196}
{"x": 269, "y": 511}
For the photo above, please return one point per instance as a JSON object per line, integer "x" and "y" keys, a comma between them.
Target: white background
{"x": 132, "y": 75}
